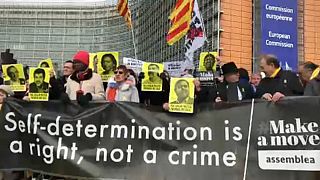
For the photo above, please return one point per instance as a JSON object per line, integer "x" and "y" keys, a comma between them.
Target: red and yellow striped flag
{"x": 180, "y": 20}
{"x": 124, "y": 11}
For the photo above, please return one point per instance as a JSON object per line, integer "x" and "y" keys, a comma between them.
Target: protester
{"x": 309, "y": 74}
{"x": 243, "y": 75}
{"x": 232, "y": 89}
{"x": 278, "y": 83}
{"x": 83, "y": 85}
{"x": 120, "y": 88}
{"x": 165, "y": 75}
{"x": 307, "y": 70}
{"x": 132, "y": 76}
{"x": 5, "y": 91}
{"x": 156, "y": 98}
{"x": 196, "y": 84}
{"x": 255, "y": 81}
{"x": 39, "y": 86}
{"x": 67, "y": 71}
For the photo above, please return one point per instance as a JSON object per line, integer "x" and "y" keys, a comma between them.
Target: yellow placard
{"x": 39, "y": 84}
{"x": 13, "y": 76}
{"x": 152, "y": 80}
{"x": 93, "y": 58}
{"x": 208, "y": 61}
{"x": 181, "y": 97}
{"x": 107, "y": 64}
{"x": 46, "y": 63}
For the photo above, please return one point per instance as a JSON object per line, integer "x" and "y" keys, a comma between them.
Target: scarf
{"x": 275, "y": 72}
{"x": 315, "y": 73}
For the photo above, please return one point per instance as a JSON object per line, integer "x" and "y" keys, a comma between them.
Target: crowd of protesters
{"x": 82, "y": 84}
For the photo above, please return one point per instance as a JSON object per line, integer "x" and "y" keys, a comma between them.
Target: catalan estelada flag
{"x": 124, "y": 11}
{"x": 180, "y": 20}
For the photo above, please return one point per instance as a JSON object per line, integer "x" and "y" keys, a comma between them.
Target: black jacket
{"x": 210, "y": 93}
{"x": 226, "y": 93}
{"x": 285, "y": 82}
{"x": 312, "y": 88}
{"x": 154, "y": 98}
{"x": 54, "y": 91}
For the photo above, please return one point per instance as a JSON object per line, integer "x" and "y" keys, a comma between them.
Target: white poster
{"x": 134, "y": 64}
{"x": 174, "y": 68}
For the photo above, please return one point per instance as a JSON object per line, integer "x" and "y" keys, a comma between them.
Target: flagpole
{"x": 134, "y": 43}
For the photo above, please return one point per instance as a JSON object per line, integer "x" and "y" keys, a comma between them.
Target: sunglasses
{"x": 118, "y": 72}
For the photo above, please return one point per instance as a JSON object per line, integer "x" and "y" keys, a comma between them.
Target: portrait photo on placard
{"x": 107, "y": 64}
{"x": 39, "y": 84}
{"x": 208, "y": 61}
{"x": 46, "y": 63}
{"x": 152, "y": 80}
{"x": 13, "y": 76}
{"x": 181, "y": 98}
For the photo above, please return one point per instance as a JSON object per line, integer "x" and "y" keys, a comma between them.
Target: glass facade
{"x": 151, "y": 24}
{"x": 35, "y": 31}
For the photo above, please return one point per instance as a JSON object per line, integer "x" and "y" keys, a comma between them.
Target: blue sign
{"x": 279, "y": 31}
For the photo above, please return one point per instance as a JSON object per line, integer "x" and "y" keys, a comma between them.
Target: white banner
{"x": 174, "y": 68}
{"x": 134, "y": 64}
{"x": 195, "y": 38}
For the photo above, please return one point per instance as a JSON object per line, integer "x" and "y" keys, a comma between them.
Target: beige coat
{"x": 93, "y": 86}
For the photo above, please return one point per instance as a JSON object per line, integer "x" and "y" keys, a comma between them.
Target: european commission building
{"x": 35, "y": 29}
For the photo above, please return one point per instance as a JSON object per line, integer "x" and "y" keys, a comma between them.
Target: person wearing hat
{"x": 84, "y": 85}
{"x": 231, "y": 89}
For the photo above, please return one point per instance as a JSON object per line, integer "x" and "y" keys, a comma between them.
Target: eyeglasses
{"x": 118, "y": 72}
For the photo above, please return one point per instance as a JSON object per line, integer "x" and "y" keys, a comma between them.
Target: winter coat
{"x": 242, "y": 86}
{"x": 312, "y": 88}
{"x": 125, "y": 92}
{"x": 92, "y": 84}
{"x": 285, "y": 82}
